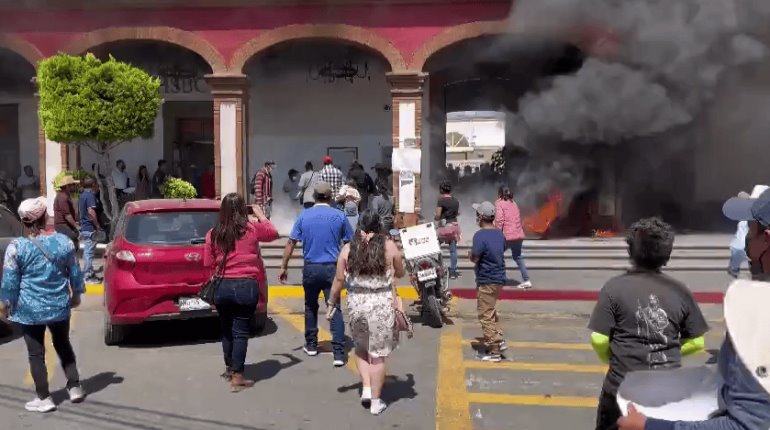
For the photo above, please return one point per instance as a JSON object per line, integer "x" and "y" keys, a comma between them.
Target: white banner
{"x": 406, "y": 191}
{"x": 407, "y": 159}
{"x": 419, "y": 241}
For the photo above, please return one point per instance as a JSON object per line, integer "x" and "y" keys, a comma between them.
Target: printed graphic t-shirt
{"x": 489, "y": 248}
{"x": 647, "y": 315}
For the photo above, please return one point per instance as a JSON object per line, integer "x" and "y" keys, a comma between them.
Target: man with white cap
{"x": 744, "y": 362}
{"x": 488, "y": 254}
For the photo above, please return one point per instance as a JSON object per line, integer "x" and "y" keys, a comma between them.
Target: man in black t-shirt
{"x": 447, "y": 211}
{"x": 644, "y": 319}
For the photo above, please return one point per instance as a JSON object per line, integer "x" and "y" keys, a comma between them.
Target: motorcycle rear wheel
{"x": 431, "y": 311}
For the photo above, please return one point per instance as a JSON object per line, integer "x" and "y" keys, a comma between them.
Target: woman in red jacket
{"x": 508, "y": 219}
{"x": 232, "y": 246}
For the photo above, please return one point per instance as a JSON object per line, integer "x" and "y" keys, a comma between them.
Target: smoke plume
{"x": 670, "y": 57}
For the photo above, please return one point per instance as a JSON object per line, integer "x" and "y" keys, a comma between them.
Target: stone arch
{"x": 453, "y": 35}
{"x": 348, "y": 33}
{"x": 20, "y": 46}
{"x": 185, "y": 39}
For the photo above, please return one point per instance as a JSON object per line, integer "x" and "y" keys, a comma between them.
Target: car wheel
{"x": 257, "y": 323}
{"x": 113, "y": 334}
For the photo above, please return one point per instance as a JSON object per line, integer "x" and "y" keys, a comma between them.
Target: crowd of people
{"x": 643, "y": 320}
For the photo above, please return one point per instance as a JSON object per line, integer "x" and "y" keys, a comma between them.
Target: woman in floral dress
{"x": 367, "y": 267}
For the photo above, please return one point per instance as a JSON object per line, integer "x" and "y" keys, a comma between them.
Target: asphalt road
{"x": 167, "y": 377}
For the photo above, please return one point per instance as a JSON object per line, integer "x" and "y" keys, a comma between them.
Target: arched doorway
{"x": 476, "y": 90}
{"x": 184, "y": 130}
{"x": 19, "y": 132}
{"x": 316, "y": 97}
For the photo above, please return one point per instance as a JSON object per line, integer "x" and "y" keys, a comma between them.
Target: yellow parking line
{"x": 452, "y": 406}
{"x": 538, "y": 367}
{"x": 533, "y": 400}
{"x": 298, "y": 322}
{"x": 566, "y": 346}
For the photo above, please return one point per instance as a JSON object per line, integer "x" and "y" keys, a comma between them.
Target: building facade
{"x": 290, "y": 81}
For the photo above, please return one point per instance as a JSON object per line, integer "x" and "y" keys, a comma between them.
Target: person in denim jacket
{"x": 743, "y": 402}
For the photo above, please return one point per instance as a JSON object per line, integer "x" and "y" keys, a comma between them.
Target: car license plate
{"x": 426, "y": 275}
{"x": 192, "y": 304}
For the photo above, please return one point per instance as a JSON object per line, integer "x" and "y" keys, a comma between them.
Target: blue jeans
{"x": 317, "y": 278}
{"x": 89, "y": 249}
{"x": 236, "y": 302}
{"x": 737, "y": 257}
{"x": 515, "y": 247}
{"x": 452, "y": 257}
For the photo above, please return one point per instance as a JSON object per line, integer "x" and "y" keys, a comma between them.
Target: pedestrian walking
{"x": 307, "y": 183}
{"x": 41, "y": 284}
{"x": 508, "y": 219}
{"x": 263, "y": 188}
{"x": 744, "y": 402}
{"x": 322, "y": 230}
{"x": 64, "y": 211}
{"x": 488, "y": 254}
{"x": 232, "y": 248}
{"x": 120, "y": 179}
{"x": 644, "y": 319}
{"x": 143, "y": 190}
{"x": 332, "y": 175}
{"x": 382, "y": 204}
{"x": 364, "y": 184}
{"x": 447, "y": 211}
{"x": 89, "y": 226}
{"x": 349, "y": 198}
{"x": 367, "y": 267}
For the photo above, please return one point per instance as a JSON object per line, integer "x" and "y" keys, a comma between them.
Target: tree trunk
{"x": 112, "y": 210}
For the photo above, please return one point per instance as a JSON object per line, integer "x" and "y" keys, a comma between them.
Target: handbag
{"x": 209, "y": 288}
{"x": 403, "y": 323}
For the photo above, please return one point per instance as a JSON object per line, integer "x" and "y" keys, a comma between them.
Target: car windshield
{"x": 170, "y": 228}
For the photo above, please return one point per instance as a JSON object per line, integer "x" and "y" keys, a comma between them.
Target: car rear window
{"x": 169, "y": 228}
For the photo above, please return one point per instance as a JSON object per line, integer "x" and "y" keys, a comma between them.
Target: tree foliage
{"x": 84, "y": 100}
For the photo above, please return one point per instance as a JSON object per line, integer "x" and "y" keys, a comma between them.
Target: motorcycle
{"x": 427, "y": 274}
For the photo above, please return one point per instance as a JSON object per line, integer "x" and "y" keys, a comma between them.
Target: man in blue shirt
{"x": 488, "y": 254}
{"x": 89, "y": 225}
{"x": 743, "y": 402}
{"x": 322, "y": 230}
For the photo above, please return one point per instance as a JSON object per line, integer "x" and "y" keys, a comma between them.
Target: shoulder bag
{"x": 403, "y": 323}
{"x": 209, "y": 288}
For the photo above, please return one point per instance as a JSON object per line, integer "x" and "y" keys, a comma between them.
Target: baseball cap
{"x": 328, "y": 160}
{"x": 269, "y": 163}
{"x": 485, "y": 209}
{"x": 323, "y": 189}
{"x": 754, "y": 208}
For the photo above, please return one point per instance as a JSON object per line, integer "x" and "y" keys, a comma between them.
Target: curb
{"x": 536, "y": 295}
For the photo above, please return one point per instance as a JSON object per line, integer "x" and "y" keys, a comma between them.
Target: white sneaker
{"x": 524, "y": 285}
{"x": 377, "y": 407}
{"x": 339, "y": 363}
{"x": 77, "y": 394}
{"x": 310, "y": 351}
{"x": 41, "y": 405}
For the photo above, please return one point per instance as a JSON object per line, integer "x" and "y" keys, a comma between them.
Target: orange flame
{"x": 540, "y": 222}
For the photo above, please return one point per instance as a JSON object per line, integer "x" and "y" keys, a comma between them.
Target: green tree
{"x": 97, "y": 104}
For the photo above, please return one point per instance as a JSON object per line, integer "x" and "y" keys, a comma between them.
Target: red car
{"x": 154, "y": 266}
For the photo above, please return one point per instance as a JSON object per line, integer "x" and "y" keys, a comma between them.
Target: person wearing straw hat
{"x": 41, "y": 284}
{"x": 744, "y": 358}
{"x": 64, "y": 210}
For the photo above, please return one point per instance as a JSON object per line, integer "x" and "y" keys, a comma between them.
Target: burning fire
{"x": 541, "y": 221}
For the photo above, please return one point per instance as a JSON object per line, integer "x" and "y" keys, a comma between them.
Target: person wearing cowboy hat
{"x": 41, "y": 284}
{"x": 64, "y": 210}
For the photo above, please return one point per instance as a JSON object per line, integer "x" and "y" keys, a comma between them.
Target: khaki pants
{"x": 487, "y": 299}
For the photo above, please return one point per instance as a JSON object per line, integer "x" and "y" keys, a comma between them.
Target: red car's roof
{"x": 170, "y": 205}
